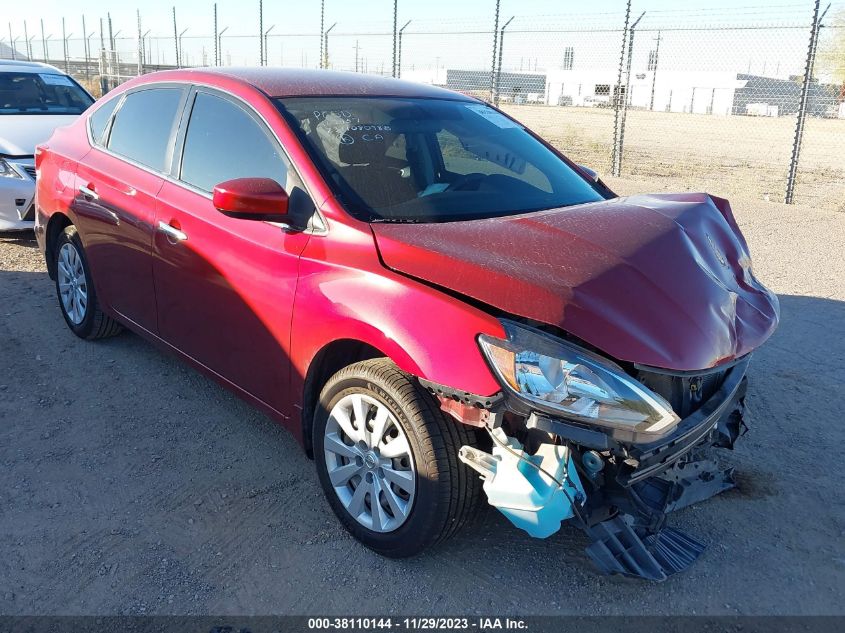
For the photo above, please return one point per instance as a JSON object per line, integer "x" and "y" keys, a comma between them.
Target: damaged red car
{"x": 440, "y": 306}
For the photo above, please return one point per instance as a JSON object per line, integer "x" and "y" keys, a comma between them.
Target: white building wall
{"x": 697, "y": 92}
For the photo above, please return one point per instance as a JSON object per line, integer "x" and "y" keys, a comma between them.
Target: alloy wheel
{"x": 370, "y": 463}
{"x": 73, "y": 287}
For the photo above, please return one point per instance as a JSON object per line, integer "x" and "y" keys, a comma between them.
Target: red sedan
{"x": 432, "y": 299}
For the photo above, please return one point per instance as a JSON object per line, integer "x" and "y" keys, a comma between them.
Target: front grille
{"x": 685, "y": 393}
{"x": 30, "y": 169}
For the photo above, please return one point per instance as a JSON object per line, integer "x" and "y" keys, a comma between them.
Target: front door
{"x": 225, "y": 286}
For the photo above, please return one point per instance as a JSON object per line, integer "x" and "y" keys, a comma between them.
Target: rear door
{"x": 225, "y": 286}
{"x": 117, "y": 184}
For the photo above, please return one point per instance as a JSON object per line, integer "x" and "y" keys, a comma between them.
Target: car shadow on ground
{"x": 133, "y": 481}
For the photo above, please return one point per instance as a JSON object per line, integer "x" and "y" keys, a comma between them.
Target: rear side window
{"x": 143, "y": 125}
{"x": 100, "y": 119}
{"x": 224, "y": 142}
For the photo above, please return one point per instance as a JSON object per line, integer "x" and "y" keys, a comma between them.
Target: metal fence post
{"x": 260, "y": 32}
{"x": 615, "y": 163}
{"x": 620, "y": 151}
{"x": 499, "y": 68}
{"x": 654, "y": 71}
{"x": 493, "y": 63}
{"x": 395, "y": 38}
{"x": 399, "y": 52}
{"x": 175, "y": 38}
{"x": 802, "y": 104}
{"x": 140, "y": 44}
{"x": 64, "y": 45}
{"x": 43, "y": 41}
{"x": 216, "y": 52}
{"x": 326, "y": 45}
{"x": 322, "y": 33}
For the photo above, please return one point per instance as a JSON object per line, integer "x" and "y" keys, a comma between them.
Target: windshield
{"x": 431, "y": 160}
{"x": 41, "y": 93}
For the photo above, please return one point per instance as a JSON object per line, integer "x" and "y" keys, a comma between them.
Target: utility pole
{"x": 617, "y": 93}
{"x": 654, "y": 70}
{"x": 499, "y": 68}
{"x": 804, "y": 101}
{"x": 175, "y": 38}
{"x": 493, "y": 96}
{"x": 399, "y": 55}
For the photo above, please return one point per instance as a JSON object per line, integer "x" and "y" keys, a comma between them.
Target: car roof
{"x": 21, "y": 66}
{"x": 299, "y": 82}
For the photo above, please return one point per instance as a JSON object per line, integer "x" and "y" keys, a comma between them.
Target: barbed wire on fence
{"x": 750, "y": 102}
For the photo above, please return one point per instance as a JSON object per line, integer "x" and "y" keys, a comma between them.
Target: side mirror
{"x": 591, "y": 173}
{"x": 252, "y": 199}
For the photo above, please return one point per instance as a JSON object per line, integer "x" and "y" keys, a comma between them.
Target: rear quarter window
{"x": 144, "y": 124}
{"x": 99, "y": 120}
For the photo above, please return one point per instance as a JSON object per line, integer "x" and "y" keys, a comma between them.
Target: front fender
{"x": 426, "y": 332}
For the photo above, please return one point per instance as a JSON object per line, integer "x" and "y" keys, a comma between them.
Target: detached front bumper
{"x": 626, "y": 488}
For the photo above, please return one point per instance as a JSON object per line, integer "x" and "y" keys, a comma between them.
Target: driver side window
{"x": 224, "y": 141}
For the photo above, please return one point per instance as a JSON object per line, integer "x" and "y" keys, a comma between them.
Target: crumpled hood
{"x": 20, "y": 133}
{"x": 662, "y": 280}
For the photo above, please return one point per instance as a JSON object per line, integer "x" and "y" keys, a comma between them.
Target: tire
{"x": 445, "y": 492}
{"x": 84, "y": 318}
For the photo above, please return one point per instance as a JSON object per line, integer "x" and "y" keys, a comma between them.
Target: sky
{"x": 362, "y": 37}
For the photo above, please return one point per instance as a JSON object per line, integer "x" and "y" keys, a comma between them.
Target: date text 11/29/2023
{"x": 417, "y": 623}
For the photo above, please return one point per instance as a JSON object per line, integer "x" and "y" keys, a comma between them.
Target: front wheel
{"x": 387, "y": 459}
{"x": 75, "y": 290}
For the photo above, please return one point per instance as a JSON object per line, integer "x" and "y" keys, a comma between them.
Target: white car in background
{"x": 35, "y": 99}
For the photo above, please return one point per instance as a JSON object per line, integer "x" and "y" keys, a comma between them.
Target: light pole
{"x": 399, "y": 51}
{"x": 267, "y": 50}
{"x": 326, "y": 46}
{"x": 220, "y": 45}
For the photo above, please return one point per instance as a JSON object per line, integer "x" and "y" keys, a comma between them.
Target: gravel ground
{"x": 129, "y": 484}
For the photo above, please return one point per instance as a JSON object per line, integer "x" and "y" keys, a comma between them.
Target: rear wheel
{"x": 75, "y": 290}
{"x": 387, "y": 459}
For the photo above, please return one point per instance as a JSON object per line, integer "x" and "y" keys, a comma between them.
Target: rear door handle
{"x": 86, "y": 191}
{"x": 171, "y": 232}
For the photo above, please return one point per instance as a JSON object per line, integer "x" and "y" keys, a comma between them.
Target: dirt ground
{"x": 726, "y": 155}
{"x": 129, "y": 484}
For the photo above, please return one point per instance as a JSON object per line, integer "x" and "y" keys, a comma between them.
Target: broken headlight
{"x": 576, "y": 383}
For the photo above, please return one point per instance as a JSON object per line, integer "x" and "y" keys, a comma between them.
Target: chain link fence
{"x": 731, "y": 103}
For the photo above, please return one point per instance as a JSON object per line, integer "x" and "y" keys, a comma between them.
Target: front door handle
{"x": 173, "y": 234}
{"x": 89, "y": 193}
